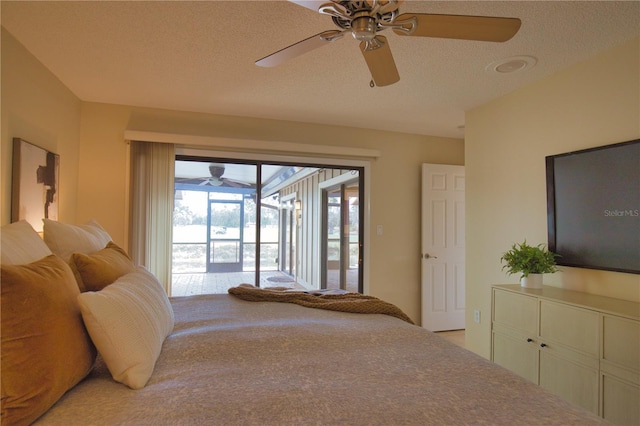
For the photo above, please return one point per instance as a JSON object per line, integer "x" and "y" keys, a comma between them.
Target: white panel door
{"x": 443, "y": 245}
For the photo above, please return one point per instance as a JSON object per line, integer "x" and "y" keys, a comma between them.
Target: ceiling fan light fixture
{"x": 363, "y": 28}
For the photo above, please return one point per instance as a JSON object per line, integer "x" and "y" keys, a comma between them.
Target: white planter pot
{"x": 531, "y": 281}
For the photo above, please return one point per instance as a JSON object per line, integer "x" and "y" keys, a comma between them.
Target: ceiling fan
{"x": 365, "y": 19}
{"x": 216, "y": 171}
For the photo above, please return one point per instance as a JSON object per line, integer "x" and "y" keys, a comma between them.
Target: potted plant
{"x": 530, "y": 262}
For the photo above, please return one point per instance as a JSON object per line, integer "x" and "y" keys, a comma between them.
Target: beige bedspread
{"x": 232, "y": 362}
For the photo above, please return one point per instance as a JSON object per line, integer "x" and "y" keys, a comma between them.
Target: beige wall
{"x": 594, "y": 103}
{"x": 38, "y": 108}
{"x": 90, "y": 139}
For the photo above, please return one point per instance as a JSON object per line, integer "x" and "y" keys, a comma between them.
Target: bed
{"x": 229, "y": 361}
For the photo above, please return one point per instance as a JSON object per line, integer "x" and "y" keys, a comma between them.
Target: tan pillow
{"x": 45, "y": 347}
{"x": 64, "y": 239}
{"x": 128, "y": 322}
{"x": 95, "y": 271}
{"x": 21, "y": 244}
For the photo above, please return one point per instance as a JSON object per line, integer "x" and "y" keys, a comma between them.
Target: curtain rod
{"x": 251, "y": 145}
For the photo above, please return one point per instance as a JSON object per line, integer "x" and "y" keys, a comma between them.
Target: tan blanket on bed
{"x": 345, "y": 302}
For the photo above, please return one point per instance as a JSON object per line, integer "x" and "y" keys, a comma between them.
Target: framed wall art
{"x": 35, "y": 184}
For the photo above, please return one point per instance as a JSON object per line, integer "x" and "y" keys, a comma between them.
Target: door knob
{"x": 428, "y": 256}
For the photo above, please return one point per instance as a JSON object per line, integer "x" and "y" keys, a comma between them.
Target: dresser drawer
{"x": 571, "y": 327}
{"x": 621, "y": 342}
{"x": 516, "y": 311}
{"x": 515, "y": 354}
{"x": 620, "y": 401}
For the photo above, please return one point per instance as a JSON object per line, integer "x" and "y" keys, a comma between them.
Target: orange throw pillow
{"x": 95, "y": 271}
{"x": 46, "y": 349}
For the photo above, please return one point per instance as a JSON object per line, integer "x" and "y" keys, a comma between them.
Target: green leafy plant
{"x": 526, "y": 259}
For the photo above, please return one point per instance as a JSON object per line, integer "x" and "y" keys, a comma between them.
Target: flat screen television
{"x": 593, "y": 207}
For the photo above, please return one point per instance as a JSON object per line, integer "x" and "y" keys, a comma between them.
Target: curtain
{"x": 152, "y": 195}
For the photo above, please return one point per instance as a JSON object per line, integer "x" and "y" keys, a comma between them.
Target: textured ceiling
{"x": 199, "y": 56}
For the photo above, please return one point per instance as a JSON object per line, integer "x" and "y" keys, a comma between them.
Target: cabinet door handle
{"x": 529, "y": 340}
{"x": 543, "y": 345}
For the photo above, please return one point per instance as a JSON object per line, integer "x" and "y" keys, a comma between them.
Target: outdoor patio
{"x": 211, "y": 283}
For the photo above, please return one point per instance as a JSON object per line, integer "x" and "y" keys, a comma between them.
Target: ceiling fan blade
{"x": 236, "y": 183}
{"x": 299, "y": 48}
{"x": 380, "y": 61}
{"x": 463, "y": 27}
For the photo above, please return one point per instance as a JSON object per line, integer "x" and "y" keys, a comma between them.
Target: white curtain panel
{"x": 152, "y": 195}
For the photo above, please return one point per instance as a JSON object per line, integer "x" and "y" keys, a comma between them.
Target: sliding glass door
{"x": 342, "y": 248}
{"x": 260, "y": 223}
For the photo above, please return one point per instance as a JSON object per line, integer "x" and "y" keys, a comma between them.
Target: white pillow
{"x": 128, "y": 322}
{"x": 64, "y": 239}
{"x": 21, "y": 244}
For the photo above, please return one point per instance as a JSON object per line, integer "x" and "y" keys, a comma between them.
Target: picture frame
{"x": 35, "y": 184}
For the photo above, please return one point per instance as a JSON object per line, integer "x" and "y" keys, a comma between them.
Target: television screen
{"x": 593, "y": 207}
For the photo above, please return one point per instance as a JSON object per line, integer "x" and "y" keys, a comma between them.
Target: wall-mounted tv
{"x": 593, "y": 207}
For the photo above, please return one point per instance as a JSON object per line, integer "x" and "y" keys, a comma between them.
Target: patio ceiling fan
{"x": 365, "y": 19}
{"x": 216, "y": 170}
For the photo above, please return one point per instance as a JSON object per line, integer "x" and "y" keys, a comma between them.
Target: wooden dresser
{"x": 583, "y": 347}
